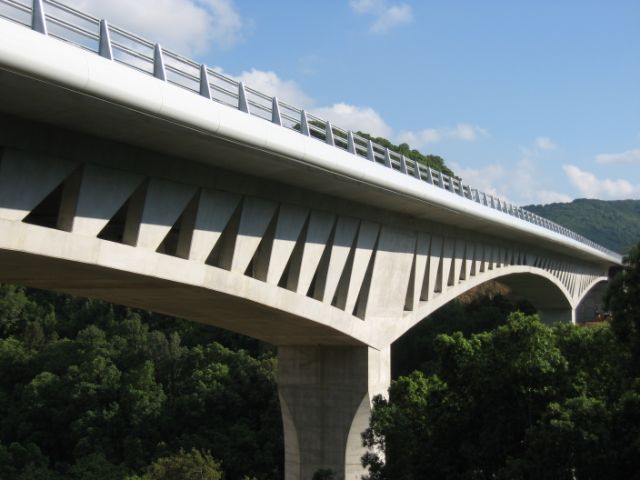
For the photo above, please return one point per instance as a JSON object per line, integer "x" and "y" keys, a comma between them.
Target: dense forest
{"x": 614, "y": 224}
{"x": 94, "y": 391}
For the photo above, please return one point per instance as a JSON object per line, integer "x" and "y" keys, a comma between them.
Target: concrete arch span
{"x": 590, "y": 305}
{"x": 537, "y": 285}
{"x": 50, "y": 259}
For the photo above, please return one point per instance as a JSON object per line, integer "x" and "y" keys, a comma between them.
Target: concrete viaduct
{"x": 131, "y": 174}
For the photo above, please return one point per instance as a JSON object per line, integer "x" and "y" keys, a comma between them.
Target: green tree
{"x": 469, "y": 418}
{"x": 101, "y": 388}
{"x": 96, "y": 467}
{"x": 185, "y": 466}
{"x": 623, "y": 301}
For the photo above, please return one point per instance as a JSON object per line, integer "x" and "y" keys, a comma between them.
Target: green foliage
{"x": 416, "y": 348}
{"x": 613, "y": 224}
{"x": 185, "y": 466}
{"x": 324, "y": 474}
{"x": 91, "y": 389}
{"x": 522, "y": 401}
{"x": 96, "y": 467}
{"x": 623, "y": 301}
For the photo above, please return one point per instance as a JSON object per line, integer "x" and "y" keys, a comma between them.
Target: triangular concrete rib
{"x": 481, "y": 258}
{"x": 391, "y": 272}
{"x": 318, "y": 231}
{"x": 422, "y": 255}
{"x": 346, "y": 229}
{"x": 255, "y": 218}
{"x": 459, "y": 258}
{"x": 102, "y": 192}
{"x": 500, "y": 256}
{"x": 367, "y": 236}
{"x": 435, "y": 255}
{"x": 26, "y": 179}
{"x": 447, "y": 259}
{"x": 291, "y": 219}
{"x": 164, "y": 203}
{"x": 468, "y": 261}
{"x": 214, "y": 211}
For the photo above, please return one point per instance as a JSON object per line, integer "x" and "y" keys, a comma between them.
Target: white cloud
{"x": 484, "y": 178}
{"x": 630, "y": 156}
{"x": 463, "y": 131}
{"x": 466, "y": 132}
{"x": 593, "y": 187}
{"x": 518, "y": 184}
{"x": 343, "y": 115}
{"x": 387, "y": 16}
{"x": 354, "y": 118}
{"x": 421, "y": 138}
{"x": 392, "y": 17}
{"x": 366, "y": 6}
{"x": 269, "y": 83}
{"x": 190, "y": 27}
{"x": 546, "y": 196}
{"x": 545, "y": 143}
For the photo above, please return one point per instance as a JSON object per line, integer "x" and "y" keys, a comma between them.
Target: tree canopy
{"x": 90, "y": 390}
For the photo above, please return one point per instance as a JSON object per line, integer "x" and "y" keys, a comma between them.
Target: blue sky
{"x": 537, "y": 101}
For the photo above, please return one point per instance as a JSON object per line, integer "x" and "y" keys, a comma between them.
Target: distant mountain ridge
{"x": 614, "y": 224}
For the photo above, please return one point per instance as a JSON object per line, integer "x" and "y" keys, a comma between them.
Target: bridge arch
{"x": 51, "y": 259}
{"x": 590, "y": 305}
{"x": 546, "y": 292}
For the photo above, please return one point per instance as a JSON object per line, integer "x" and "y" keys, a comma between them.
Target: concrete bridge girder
{"x": 366, "y": 280}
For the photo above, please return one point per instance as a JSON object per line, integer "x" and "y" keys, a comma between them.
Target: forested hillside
{"x": 613, "y": 224}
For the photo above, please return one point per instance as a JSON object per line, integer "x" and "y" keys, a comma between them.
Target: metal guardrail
{"x": 96, "y": 35}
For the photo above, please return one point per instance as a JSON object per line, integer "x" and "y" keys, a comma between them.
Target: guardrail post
{"x": 351, "y": 144}
{"x": 243, "y": 103}
{"x": 205, "y": 89}
{"x": 105, "y": 41}
{"x": 370, "y": 153}
{"x": 158, "y": 63}
{"x": 38, "y": 21}
{"x": 416, "y": 170}
{"x": 429, "y": 175}
{"x": 403, "y": 164}
{"x": 275, "y": 112}
{"x": 387, "y": 158}
{"x": 304, "y": 124}
{"x": 328, "y": 135}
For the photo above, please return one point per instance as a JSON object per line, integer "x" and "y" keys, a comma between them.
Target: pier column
{"x": 325, "y": 398}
